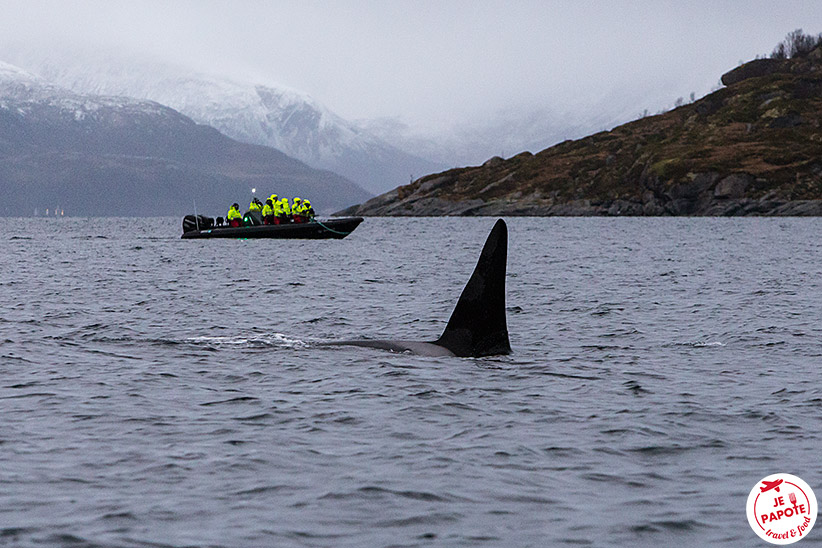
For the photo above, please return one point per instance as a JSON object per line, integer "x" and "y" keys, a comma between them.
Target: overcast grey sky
{"x": 435, "y": 62}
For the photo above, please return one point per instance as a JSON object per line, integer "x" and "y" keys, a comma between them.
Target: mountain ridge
{"x": 105, "y": 155}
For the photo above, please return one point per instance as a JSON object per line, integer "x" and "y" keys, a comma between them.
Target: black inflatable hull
{"x": 329, "y": 228}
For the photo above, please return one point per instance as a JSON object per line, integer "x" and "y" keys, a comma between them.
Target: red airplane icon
{"x": 771, "y": 485}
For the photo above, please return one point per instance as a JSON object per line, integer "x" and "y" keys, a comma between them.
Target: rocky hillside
{"x": 753, "y": 147}
{"x": 99, "y": 155}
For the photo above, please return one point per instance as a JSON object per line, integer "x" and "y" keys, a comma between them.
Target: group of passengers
{"x": 275, "y": 211}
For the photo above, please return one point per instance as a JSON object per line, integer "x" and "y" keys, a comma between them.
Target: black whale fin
{"x": 477, "y": 326}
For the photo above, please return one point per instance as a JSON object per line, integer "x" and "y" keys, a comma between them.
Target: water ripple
{"x": 168, "y": 393}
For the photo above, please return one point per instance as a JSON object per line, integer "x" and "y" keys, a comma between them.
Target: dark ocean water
{"x": 156, "y": 392}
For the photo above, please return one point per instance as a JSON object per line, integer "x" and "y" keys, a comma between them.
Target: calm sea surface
{"x": 156, "y": 392}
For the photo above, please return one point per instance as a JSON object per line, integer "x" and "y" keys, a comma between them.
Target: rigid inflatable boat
{"x": 200, "y": 226}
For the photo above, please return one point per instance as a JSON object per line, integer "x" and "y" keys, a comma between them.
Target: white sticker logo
{"x": 781, "y": 509}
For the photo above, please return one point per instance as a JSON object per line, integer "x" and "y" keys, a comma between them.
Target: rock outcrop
{"x": 753, "y": 69}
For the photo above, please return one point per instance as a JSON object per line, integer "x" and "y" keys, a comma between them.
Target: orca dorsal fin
{"x": 477, "y": 326}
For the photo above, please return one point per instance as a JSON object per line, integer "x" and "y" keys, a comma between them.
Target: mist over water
{"x": 160, "y": 392}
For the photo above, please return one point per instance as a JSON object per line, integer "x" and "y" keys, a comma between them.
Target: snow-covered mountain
{"x": 278, "y": 117}
{"x": 114, "y": 155}
{"x": 25, "y": 92}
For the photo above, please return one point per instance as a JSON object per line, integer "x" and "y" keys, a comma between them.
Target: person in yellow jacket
{"x": 285, "y": 216}
{"x": 297, "y": 210}
{"x": 278, "y": 209}
{"x": 268, "y": 212}
{"x": 308, "y": 210}
{"x": 234, "y": 217}
{"x": 255, "y": 205}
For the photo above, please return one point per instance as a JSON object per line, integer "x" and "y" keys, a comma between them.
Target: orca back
{"x": 477, "y": 326}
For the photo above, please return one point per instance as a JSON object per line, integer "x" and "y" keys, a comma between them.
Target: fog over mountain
{"x": 501, "y": 134}
{"x": 379, "y": 154}
{"x": 276, "y": 116}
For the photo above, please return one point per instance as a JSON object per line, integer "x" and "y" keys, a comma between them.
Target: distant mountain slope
{"x": 752, "y": 148}
{"x": 98, "y": 155}
{"x": 282, "y": 118}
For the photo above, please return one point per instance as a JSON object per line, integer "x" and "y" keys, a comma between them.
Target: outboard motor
{"x": 197, "y": 222}
{"x": 253, "y": 217}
